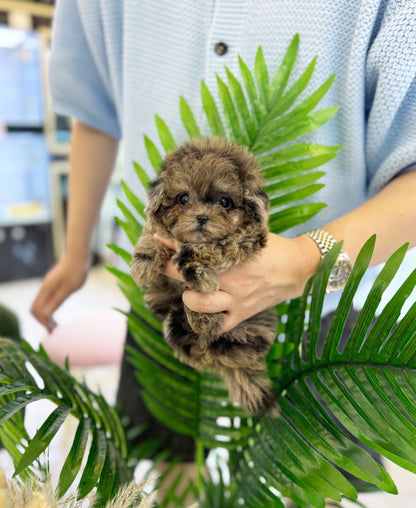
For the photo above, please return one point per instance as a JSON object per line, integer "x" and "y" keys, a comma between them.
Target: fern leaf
{"x": 153, "y": 153}
{"x": 165, "y": 135}
{"x": 141, "y": 175}
{"x": 295, "y": 167}
{"x": 292, "y": 183}
{"x": 291, "y": 132}
{"x": 295, "y": 151}
{"x": 124, "y": 255}
{"x": 293, "y": 216}
{"x": 43, "y": 437}
{"x": 95, "y": 463}
{"x": 131, "y": 226}
{"x": 247, "y": 120}
{"x": 373, "y": 300}
{"x": 327, "y": 391}
{"x": 134, "y": 200}
{"x": 211, "y": 111}
{"x": 300, "y": 111}
{"x": 262, "y": 79}
{"x": 297, "y": 194}
{"x": 188, "y": 119}
{"x": 282, "y": 75}
{"x": 73, "y": 461}
{"x": 236, "y": 131}
{"x": 293, "y": 93}
{"x": 250, "y": 87}
{"x": 69, "y": 396}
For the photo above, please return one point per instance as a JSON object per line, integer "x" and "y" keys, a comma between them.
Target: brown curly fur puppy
{"x": 209, "y": 197}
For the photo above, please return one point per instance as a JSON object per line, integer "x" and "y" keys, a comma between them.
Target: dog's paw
{"x": 196, "y": 274}
{"x": 208, "y": 325}
{"x": 184, "y": 256}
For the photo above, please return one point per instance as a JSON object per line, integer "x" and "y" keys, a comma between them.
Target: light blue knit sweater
{"x": 115, "y": 63}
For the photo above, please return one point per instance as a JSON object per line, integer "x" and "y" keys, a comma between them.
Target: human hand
{"x": 279, "y": 272}
{"x": 68, "y": 275}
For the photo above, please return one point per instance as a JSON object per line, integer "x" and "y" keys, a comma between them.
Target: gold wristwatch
{"x": 342, "y": 267}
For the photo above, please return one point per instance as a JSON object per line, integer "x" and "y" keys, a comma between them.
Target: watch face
{"x": 339, "y": 275}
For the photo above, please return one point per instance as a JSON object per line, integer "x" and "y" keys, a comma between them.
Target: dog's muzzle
{"x": 202, "y": 219}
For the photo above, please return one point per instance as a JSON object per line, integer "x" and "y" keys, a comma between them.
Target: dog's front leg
{"x": 148, "y": 260}
{"x": 146, "y": 268}
{"x": 197, "y": 265}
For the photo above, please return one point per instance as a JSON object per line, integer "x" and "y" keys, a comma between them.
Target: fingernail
{"x": 51, "y": 324}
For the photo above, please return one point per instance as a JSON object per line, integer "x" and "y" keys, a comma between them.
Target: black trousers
{"x": 134, "y": 410}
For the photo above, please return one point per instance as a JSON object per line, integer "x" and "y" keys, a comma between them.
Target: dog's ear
{"x": 156, "y": 196}
{"x": 257, "y": 205}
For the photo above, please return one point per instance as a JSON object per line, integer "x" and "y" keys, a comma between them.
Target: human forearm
{"x": 391, "y": 215}
{"x": 282, "y": 269}
{"x": 92, "y": 160}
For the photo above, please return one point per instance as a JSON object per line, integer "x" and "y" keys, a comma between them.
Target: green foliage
{"x": 9, "y": 327}
{"x": 265, "y": 116}
{"x": 327, "y": 391}
{"x": 192, "y": 401}
{"x": 27, "y": 376}
{"x": 288, "y": 456}
{"x": 9, "y": 324}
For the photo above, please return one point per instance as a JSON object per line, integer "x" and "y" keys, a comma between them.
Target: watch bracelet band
{"x": 323, "y": 240}
{"x": 342, "y": 267}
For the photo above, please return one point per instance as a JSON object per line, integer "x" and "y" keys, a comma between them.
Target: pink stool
{"x": 91, "y": 340}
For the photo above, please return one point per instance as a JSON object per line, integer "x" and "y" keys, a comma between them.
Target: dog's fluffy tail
{"x": 252, "y": 390}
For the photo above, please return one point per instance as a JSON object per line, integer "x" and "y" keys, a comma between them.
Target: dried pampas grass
{"x": 15, "y": 494}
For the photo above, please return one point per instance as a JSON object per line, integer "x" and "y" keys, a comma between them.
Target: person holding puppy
{"x": 114, "y": 65}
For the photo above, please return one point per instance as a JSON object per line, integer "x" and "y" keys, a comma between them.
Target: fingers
{"x": 170, "y": 268}
{"x": 170, "y": 244}
{"x": 210, "y": 303}
{"x": 60, "y": 282}
{"x": 172, "y": 272}
{"x": 43, "y": 307}
{"x": 51, "y": 295}
{"x": 207, "y": 303}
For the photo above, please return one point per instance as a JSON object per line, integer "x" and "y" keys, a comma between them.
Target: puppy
{"x": 209, "y": 197}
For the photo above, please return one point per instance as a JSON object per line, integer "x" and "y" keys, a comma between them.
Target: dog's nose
{"x": 202, "y": 219}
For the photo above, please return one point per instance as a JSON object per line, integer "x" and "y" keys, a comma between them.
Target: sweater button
{"x": 221, "y": 48}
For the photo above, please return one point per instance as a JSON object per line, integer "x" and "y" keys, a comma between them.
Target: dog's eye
{"x": 183, "y": 198}
{"x": 225, "y": 202}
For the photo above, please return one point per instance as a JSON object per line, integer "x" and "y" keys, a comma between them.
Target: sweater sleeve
{"x": 80, "y": 79}
{"x": 391, "y": 95}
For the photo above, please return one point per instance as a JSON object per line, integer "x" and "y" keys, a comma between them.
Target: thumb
{"x": 167, "y": 242}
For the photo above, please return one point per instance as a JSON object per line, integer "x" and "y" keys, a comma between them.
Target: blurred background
{"x": 34, "y": 147}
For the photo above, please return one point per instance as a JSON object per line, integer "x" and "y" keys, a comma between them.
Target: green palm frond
{"x": 107, "y": 453}
{"x": 329, "y": 391}
{"x": 262, "y": 115}
{"x": 268, "y": 118}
